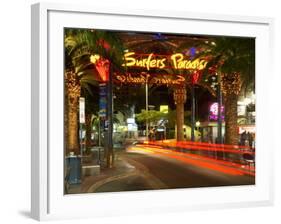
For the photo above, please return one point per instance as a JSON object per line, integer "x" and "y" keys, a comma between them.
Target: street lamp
{"x": 219, "y": 98}
{"x": 216, "y": 86}
{"x": 197, "y": 124}
{"x": 217, "y": 79}
{"x": 146, "y": 107}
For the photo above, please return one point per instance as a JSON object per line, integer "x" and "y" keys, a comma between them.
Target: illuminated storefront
{"x": 209, "y": 129}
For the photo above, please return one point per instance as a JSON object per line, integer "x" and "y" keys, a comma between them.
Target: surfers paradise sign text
{"x": 176, "y": 61}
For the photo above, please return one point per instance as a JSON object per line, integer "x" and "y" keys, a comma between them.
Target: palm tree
{"x": 79, "y": 46}
{"x": 233, "y": 59}
{"x": 180, "y": 92}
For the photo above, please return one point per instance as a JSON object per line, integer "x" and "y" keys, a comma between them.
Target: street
{"x": 159, "y": 168}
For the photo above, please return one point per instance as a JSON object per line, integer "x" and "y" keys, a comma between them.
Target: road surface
{"x": 159, "y": 168}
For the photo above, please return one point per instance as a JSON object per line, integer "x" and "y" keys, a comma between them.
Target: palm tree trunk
{"x": 231, "y": 126}
{"x": 231, "y": 85}
{"x": 180, "y": 98}
{"x": 180, "y": 121}
{"x": 66, "y": 121}
{"x": 73, "y": 93}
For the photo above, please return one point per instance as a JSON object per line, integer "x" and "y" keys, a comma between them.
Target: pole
{"x": 99, "y": 141}
{"x": 99, "y": 133}
{"x": 146, "y": 108}
{"x": 192, "y": 112}
{"x": 81, "y": 122}
{"x": 110, "y": 155}
{"x": 219, "y": 113}
{"x": 81, "y": 140}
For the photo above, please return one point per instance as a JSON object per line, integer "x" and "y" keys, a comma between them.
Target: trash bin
{"x": 73, "y": 165}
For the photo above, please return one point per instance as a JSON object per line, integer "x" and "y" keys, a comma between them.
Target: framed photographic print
{"x": 148, "y": 111}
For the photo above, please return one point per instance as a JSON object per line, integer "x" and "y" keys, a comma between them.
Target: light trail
{"x": 203, "y": 146}
{"x": 197, "y": 160}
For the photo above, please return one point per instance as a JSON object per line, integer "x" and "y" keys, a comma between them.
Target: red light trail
{"x": 204, "y": 146}
{"x": 226, "y": 167}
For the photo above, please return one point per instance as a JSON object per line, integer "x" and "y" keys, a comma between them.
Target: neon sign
{"x": 102, "y": 66}
{"x": 176, "y": 61}
{"x": 147, "y": 62}
{"x": 214, "y": 112}
{"x": 143, "y": 78}
{"x": 180, "y": 63}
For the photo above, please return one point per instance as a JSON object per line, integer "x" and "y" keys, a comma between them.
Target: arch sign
{"x": 176, "y": 61}
{"x": 150, "y": 61}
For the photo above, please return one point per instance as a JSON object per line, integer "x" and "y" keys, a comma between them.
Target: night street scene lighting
{"x": 149, "y": 111}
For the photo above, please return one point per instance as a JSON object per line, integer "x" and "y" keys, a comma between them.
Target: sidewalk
{"x": 122, "y": 169}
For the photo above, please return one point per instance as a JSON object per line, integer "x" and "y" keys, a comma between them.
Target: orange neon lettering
{"x": 177, "y": 59}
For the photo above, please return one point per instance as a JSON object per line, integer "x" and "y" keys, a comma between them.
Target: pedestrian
{"x": 247, "y": 142}
{"x": 250, "y": 139}
{"x": 254, "y": 141}
{"x": 151, "y": 134}
{"x": 243, "y": 138}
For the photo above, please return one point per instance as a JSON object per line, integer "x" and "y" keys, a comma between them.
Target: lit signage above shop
{"x": 176, "y": 61}
{"x": 214, "y": 112}
{"x": 164, "y": 108}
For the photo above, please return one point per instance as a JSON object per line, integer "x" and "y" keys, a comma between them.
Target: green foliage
{"x": 171, "y": 117}
{"x": 80, "y": 44}
{"x": 153, "y": 116}
{"x": 232, "y": 54}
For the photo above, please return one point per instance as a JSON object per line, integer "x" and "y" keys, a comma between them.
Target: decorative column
{"x": 180, "y": 99}
{"x": 105, "y": 70}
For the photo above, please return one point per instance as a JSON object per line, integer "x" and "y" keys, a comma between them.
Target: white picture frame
{"x": 48, "y": 201}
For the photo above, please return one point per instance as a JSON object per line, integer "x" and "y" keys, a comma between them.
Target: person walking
{"x": 243, "y": 138}
{"x": 250, "y": 139}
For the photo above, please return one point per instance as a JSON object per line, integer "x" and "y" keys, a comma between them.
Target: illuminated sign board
{"x": 164, "y": 108}
{"x": 176, "y": 61}
{"x": 213, "y": 112}
{"x": 131, "y": 121}
{"x": 102, "y": 66}
{"x": 102, "y": 100}
{"x": 144, "y": 77}
{"x": 82, "y": 110}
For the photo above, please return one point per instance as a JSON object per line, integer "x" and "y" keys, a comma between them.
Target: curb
{"x": 140, "y": 170}
{"x": 98, "y": 184}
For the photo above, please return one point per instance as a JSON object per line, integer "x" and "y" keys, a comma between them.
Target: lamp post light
{"x": 219, "y": 115}
{"x": 146, "y": 108}
{"x": 217, "y": 85}
{"x": 197, "y": 124}
{"x": 194, "y": 80}
{"x": 192, "y": 112}
{"x": 110, "y": 150}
